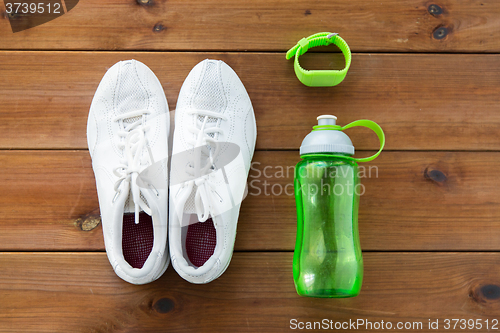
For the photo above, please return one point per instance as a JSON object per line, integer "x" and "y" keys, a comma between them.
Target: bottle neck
{"x": 326, "y": 155}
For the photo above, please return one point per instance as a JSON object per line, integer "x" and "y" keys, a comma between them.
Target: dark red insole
{"x": 201, "y": 239}
{"x": 137, "y": 239}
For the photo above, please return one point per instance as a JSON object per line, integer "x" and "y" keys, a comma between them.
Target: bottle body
{"x": 327, "y": 259}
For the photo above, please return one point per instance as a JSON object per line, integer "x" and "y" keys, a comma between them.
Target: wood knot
{"x": 440, "y": 33}
{"x": 490, "y": 292}
{"x": 12, "y": 15}
{"x": 145, "y": 2}
{"x": 485, "y": 293}
{"x": 435, "y": 175}
{"x": 164, "y": 305}
{"x": 89, "y": 221}
{"x": 435, "y": 10}
{"x": 159, "y": 27}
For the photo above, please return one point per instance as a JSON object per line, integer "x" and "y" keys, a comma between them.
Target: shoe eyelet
{"x": 116, "y": 196}
{"x": 220, "y": 198}
{"x": 154, "y": 189}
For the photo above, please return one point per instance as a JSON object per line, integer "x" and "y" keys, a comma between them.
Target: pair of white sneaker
{"x": 213, "y": 144}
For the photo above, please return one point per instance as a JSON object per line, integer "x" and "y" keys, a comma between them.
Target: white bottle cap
{"x": 327, "y": 140}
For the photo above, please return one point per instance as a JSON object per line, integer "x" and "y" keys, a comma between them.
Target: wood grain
{"x": 44, "y": 195}
{"x": 271, "y": 25}
{"x": 414, "y": 201}
{"x": 256, "y": 294}
{"x": 435, "y": 188}
{"x": 443, "y": 102}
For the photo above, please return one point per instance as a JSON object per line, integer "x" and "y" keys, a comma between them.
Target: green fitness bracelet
{"x": 320, "y": 78}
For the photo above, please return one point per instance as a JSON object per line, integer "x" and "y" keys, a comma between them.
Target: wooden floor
{"x": 428, "y": 73}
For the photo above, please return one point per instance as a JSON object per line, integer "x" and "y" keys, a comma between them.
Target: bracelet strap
{"x": 320, "y": 78}
{"x": 374, "y": 127}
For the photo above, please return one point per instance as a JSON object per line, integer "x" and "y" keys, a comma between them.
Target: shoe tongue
{"x": 189, "y": 208}
{"x": 131, "y": 119}
{"x": 210, "y": 120}
{"x": 129, "y": 206}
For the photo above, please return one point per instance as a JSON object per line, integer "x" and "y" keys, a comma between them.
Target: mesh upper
{"x": 210, "y": 95}
{"x": 131, "y": 94}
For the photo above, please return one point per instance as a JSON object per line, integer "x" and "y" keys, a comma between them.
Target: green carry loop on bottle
{"x": 327, "y": 260}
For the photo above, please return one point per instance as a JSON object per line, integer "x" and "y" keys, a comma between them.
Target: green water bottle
{"x": 327, "y": 261}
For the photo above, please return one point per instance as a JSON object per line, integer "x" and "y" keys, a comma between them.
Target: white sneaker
{"x": 127, "y": 131}
{"x": 207, "y": 184}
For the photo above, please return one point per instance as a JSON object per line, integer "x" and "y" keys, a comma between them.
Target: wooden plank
{"x": 44, "y": 194}
{"x": 444, "y": 102}
{"x": 73, "y": 292}
{"x": 275, "y": 25}
{"x": 418, "y": 201}
{"x": 413, "y": 201}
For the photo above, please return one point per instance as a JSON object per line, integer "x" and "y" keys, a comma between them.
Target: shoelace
{"x": 133, "y": 144}
{"x": 203, "y": 199}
